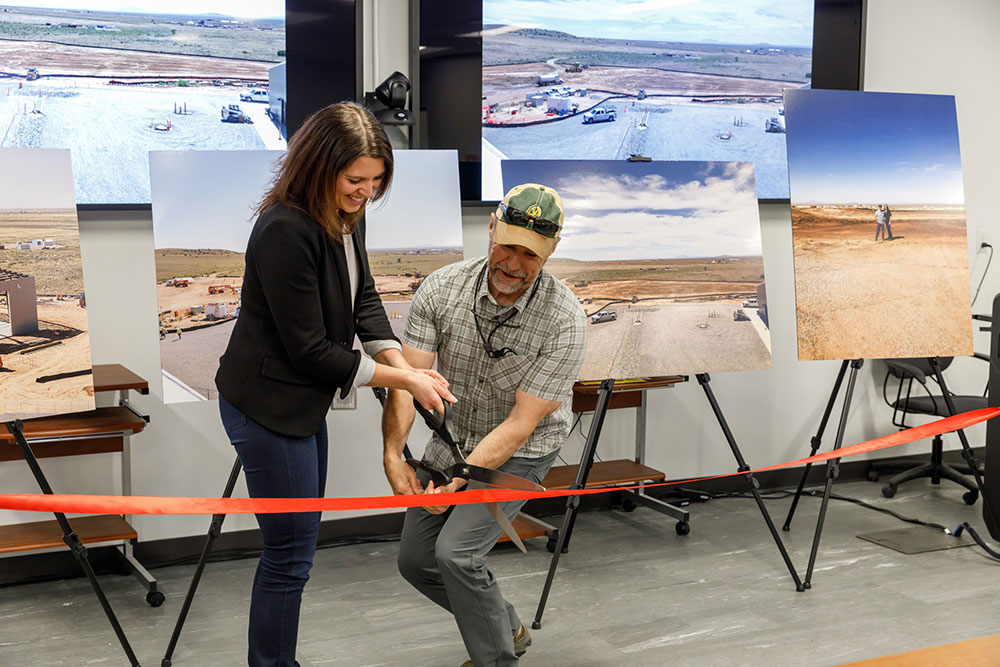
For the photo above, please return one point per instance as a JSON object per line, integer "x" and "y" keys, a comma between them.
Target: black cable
{"x": 985, "y": 271}
{"x": 975, "y": 536}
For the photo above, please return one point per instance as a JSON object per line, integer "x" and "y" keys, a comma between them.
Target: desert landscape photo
{"x": 665, "y": 259}
{"x": 878, "y": 226}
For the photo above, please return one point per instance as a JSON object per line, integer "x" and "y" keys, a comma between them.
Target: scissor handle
{"x": 437, "y": 422}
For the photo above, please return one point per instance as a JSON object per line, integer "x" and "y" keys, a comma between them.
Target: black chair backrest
{"x": 923, "y": 364}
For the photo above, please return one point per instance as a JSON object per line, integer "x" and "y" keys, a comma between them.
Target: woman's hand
{"x": 429, "y": 387}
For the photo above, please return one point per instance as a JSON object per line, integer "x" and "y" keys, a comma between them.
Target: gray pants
{"x": 444, "y": 557}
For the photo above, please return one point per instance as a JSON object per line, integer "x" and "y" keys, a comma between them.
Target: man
{"x": 879, "y": 222}
{"x": 511, "y": 339}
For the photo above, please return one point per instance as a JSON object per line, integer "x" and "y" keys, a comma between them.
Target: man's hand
{"x": 457, "y": 484}
{"x": 401, "y": 477}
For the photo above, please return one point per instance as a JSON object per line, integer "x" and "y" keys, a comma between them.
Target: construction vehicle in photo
{"x": 32, "y": 74}
{"x": 232, "y": 113}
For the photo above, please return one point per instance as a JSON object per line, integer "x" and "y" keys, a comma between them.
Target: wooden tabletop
{"x": 95, "y": 431}
{"x": 114, "y": 377}
{"x": 630, "y": 385}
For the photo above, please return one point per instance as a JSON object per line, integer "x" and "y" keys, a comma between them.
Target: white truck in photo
{"x": 599, "y": 115}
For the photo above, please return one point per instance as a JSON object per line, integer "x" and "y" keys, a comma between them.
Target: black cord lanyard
{"x": 492, "y": 352}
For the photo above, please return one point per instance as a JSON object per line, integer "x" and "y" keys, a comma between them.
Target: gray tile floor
{"x": 630, "y": 592}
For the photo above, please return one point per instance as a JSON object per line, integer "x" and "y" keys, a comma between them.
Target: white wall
{"x": 912, "y": 46}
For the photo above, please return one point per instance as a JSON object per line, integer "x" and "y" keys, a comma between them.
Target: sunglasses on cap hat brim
{"x": 518, "y": 218}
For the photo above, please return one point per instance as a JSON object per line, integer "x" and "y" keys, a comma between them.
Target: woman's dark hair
{"x": 326, "y": 144}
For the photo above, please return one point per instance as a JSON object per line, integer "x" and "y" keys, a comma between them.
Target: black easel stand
{"x": 71, "y": 539}
{"x": 816, "y": 441}
{"x": 833, "y": 465}
{"x": 573, "y": 502}
{"x": 703, "y": 380}
{"x": 214, "y": 530}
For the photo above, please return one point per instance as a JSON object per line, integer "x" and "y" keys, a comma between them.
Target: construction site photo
{"x": 680, "y": 83}
{"x": 112, "y": 85}
{"x": 666, "y": 261}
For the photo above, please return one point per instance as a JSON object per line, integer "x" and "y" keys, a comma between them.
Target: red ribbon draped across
{"x": 86, "y": 504}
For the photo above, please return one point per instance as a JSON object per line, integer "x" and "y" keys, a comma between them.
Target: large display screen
{"x": 709, "y": 74}
{"x": 698, "y": 80}
{"x": 112, "y": 80}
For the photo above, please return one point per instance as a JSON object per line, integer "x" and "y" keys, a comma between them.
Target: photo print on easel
{"x": 878, "y": 225}
{"x": 45, "y": 366}
{"x": 665, "y": 258}
{"x": 203, "y": 213}
{"x": 415, "y": 229}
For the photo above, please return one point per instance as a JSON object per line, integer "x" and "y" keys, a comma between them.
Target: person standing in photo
{"x": 879, "y": 222}
{"x": 886, "y": 216}
{"x": 307, "y": 291}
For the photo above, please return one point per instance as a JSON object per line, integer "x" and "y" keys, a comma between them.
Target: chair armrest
{"x": 980, "y": 355}
{"x": 903, "y": 368}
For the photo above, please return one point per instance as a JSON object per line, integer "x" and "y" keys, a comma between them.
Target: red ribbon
{"x": 86, "y": 504}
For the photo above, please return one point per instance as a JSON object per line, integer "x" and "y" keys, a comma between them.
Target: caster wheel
{"x": 970, "y": 497}
{"x": 889, "y": 490}
{"x": 682, "y": 527}
{"x": 155, "y": 598}
{"x": 628, "y": 505}
{"x": 872, "y": 475}
{"x": 550, "y": 546}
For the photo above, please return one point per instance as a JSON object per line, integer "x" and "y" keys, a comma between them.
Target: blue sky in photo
{"x": 648, "y": 210}
{"x": 854, "y": 147}
{"x": 775, "y": 22}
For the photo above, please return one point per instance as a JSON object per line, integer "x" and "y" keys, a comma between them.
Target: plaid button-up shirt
{"x": 547, "y": 333}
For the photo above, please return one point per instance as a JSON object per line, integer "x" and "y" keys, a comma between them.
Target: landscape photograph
{"x": 112, "y": 81}
{"x": 878, "y": 226}
{"x": 45, "y": 365}
{"x": 415, "y": 229}
{"x": 665, "y": 259}
{"x": 203, "y": 213}
{"x": 697, "y": 80}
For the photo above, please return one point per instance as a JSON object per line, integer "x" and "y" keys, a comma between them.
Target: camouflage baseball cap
{"x": 530, "y": 215}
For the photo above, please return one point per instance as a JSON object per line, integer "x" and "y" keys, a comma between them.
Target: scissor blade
{"x": 501, "y": 479}
{"x": 502, "y": 520}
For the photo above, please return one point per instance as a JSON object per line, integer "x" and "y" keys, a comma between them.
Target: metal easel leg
{"x": 573, "y": 502}
{"x": 214, "y": 529}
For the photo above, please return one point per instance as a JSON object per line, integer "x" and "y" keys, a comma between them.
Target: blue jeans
{"x": 278, "y": 466}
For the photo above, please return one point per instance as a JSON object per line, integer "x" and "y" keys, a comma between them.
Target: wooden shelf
{"x": 48, "y": 534}
{"x": 91, "y": 432}
{"x": 603, "y": 473}
{"x": 115, "y": 377}
{"x": 626, "y": 394}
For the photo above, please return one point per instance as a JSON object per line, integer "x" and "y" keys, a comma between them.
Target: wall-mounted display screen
{"x": 113, "y": 80}
{"x": 586, "y": 79}
{"x": 699, "y": 80}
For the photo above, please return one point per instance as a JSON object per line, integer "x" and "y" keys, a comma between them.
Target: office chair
{"x": 920, "y": 370}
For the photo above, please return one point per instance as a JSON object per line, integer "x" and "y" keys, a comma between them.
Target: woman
{"x": 307, "y": 290}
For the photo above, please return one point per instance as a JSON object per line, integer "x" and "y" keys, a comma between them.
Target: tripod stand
{"x": 72, "y": 540}
{"x": 833, "y": 465}
{"x": 587, "y": 460}
{"x": 214, "y": 530}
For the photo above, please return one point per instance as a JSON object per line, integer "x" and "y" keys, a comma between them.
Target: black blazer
{"x": 290, "y": 350}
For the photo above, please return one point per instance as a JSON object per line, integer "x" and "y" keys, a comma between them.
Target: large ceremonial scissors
{"x": 477, "y": 477}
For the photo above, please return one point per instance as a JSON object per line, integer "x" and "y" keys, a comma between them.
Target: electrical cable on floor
{"x": 816, "y": 493}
